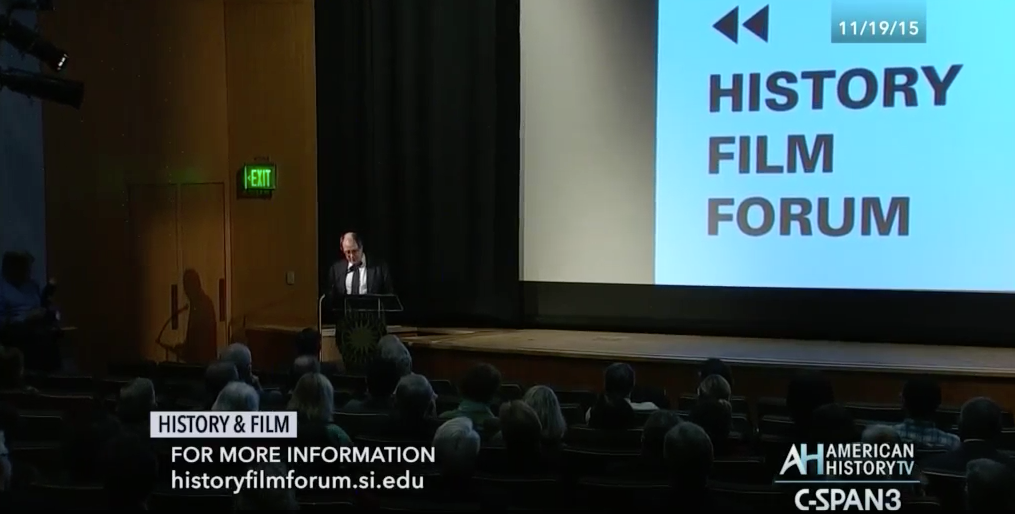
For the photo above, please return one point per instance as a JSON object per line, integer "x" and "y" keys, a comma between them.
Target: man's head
{"x": 980, "y": 418}
{"x": 301, "y": 366}
{"x": 990, "y": 485}
{"x": 480, "y": 384}
{"x": 218, "y": 375}
{"x": 689, "y": 455}
{"x": 239, "y": 355}
{"x": 456, "y": 447}
{"x": 921, "y": 397}
{"x": 714, "y": 387}
{"x": 414, "y": 397}
{"x": 237, "y": 397}
{"x": 658, "y": 424}
{"x": 520, "y": 426}
{"x": 618, "y": 380}
{"x": 382, "y": 378}
{"x": 392, "y": 348}
{"x": 308, "y": 342}
{"x": 715, "y": 366}
{"x": 137, "y": 399}
{"x": 352, "y": 247}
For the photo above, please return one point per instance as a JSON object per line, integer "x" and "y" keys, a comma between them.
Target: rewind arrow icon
{"x": 756, "y": 24}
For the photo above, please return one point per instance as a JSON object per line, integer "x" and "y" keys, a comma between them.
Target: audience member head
{"x": 130, "y": 473}
{"x": 980, "y": 419}
{"x": 314, "y": 398}
{"x": 352, "y": 247}
{"x": 832, "y": 424}
{"x": 456, "y": 447}
{"x": 17, "y": 267}
{"x": 990, "y": 485}
{"x": 715, "y": 366}
{"x": 715, "y": 417}
{"x": 658, "y": 424}
{"x": 807, "y": 391}
{"x": 612, "y": 413}
{"x": 414, "y": 397}
{"x": 618, "y": 380}
{"x": 391, "y": 348}
{"x": 217, "y": 375}
{"x": 239, "y": 355}
{"x": 689, "y": 456}
{"x": 544, "y": 402}
{"x": 12, "y": 368}
{"x": 714, "y": 387}
{"x": 480, "y": 384}
{"x": 278, "y": 498}
{"x": 84, "y": 441}
{"x": 301, "y": 366}
{"x": 308, "y": 342}
{"x": 237, "y": 397}
{"x": 382, "y": 378}
{"x": 520, "y": 426}
{"x": 880, "y": 434}
{"x": 921, "y": 397}
{"x": 137, "y": 399}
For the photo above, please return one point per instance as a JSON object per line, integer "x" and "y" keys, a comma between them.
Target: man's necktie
{"x": 355, "y": 278}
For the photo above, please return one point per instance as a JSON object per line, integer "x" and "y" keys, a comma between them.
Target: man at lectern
{"x": 355, "y": 275}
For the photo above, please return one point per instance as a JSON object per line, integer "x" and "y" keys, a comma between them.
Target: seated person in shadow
{"x": 308, "y": 343}
{"x": 618, "y": 383}
{"x": 612, "y": 413}
{"x": 391, "y": 348}
{"x": 807, "y": 391}
{"x": 415, "y": 415}
{"x": 130, "y": 472}
{"x": 382, "y": 378}
{"x": 478, "y": 388}
{"x": 12, "y": 372}
{"x": 883, "y": 434}
{"x": 990, "y": 485}
{"x": 301, "y": 366}
{"x": 216, "y": 377}
{"x": 921, "y": 398}
{"x": 544, "y": 402}
{"x": 715, "y": 366}
{"x": 82, "y": 449}
{"x": 716, "y": 418}
{"x": 980, "y": 428}
{"x": 714, "y": 387}
{"x": 523, "y": 441}
{"x": 456, "y": 447}
{"x": 313, "y": 399}
{"x": 650, "y": 463}
{"x": 134, "y": 407}
{"x": 26, "y": 321}
{"x": 689, "y": 460}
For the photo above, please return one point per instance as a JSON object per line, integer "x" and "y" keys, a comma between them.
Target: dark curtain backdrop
{"x": 418, "y": 143}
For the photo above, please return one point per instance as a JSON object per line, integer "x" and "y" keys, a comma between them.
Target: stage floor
{"x": 826, "y": 355}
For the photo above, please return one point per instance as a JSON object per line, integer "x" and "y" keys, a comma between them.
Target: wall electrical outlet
{"x": 290, "y": 278}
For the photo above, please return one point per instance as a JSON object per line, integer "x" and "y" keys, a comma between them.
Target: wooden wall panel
{"x": 154, "y": 112}
{"x": 272, "y": 114}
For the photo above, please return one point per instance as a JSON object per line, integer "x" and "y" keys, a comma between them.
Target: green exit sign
{"x": 259, "y": 177}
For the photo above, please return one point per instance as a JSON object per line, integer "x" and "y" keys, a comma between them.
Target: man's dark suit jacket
{"x": 378, "y": 278}
{"x": 955, "y": 461}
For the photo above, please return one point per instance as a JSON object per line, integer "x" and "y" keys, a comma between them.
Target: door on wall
{"x": 178, "y": 235}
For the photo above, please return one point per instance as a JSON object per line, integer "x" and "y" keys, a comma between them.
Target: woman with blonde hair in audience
{"x": 313, "y": 399}
{"x": 544, "y": 401}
